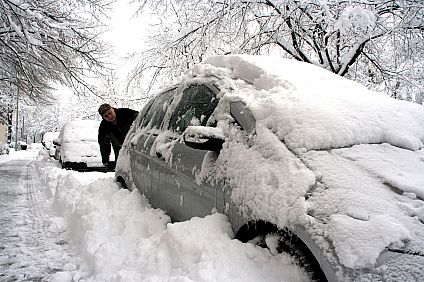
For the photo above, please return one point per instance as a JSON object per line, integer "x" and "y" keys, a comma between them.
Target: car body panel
{"x": 171, "y": 184}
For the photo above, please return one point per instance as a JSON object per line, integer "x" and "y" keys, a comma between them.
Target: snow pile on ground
{"x": 119, "y": 237}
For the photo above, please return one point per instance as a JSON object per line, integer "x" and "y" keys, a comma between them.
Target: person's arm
{"x": 134, "y": 115}
{"x": 104, "y": 143}
{"x": 129, "y": 114}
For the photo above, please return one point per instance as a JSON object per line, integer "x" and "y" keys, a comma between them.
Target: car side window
{"x": 196, "y": 106}
{"x": 155, "y": 114}
{"x": 142, "y": 114}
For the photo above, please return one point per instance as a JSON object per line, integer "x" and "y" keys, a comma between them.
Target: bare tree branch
{"x": 333, "y": 34}
{"x": 48, "y": 41}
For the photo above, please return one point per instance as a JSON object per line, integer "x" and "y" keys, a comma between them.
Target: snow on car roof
{"x": 310, "y": 107}
{"x": 78, "y": 130}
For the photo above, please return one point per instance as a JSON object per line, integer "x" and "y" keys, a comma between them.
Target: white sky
{"x": 127, "y": 31}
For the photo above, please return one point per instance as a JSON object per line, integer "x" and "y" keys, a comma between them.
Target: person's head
{"x": 107, "y": 112}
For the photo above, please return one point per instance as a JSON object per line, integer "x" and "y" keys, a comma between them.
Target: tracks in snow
{"x": 32, "y": 241}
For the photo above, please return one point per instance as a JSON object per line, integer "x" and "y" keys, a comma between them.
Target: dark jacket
{"x": 115, "y": 133}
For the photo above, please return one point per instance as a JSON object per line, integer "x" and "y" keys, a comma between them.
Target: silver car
{"x": 296, "y": 162}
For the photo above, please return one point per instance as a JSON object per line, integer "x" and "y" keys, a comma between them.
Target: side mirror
{"x": 204, "y": 138}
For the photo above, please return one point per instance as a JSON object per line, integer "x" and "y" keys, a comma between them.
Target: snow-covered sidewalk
{"x": 114, "y": 235}
{"x": 32, "y": 242}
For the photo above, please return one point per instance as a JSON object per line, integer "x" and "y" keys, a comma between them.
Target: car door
{"x": 183, "y": 196}
{"x": 145, "y": 170}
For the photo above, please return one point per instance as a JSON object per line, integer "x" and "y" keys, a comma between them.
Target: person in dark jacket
{"x": 112, "y": 130}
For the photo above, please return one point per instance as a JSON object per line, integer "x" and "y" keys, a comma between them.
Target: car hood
{"x": 368, "y": 202}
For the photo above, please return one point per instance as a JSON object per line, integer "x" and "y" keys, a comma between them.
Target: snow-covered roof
{"x": 310, "y": 107}
{"x": 80, "y": 130}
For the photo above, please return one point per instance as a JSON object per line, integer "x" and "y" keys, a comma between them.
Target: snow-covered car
{"x": 47, "y": 142}
{"x": 299, "y": 159}
{"x": 52, "y": 150}
{"x": 77, "y": 147}
{"x": 22, "y": 145}
{"x": 56, "y": 144}
{"x": 4, "y": 148}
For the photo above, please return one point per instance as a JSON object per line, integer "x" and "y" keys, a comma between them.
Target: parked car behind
{"x": 22, "y": 145}
{"x": 299, "y": 159}
{"x": 77, "y": 147}
{"x": 47, "y": 142}
{"x": 4, "y": 148}
{"x": 56, "y": 143}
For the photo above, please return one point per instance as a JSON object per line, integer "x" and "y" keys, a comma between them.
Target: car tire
{"x": 257, "y": 231}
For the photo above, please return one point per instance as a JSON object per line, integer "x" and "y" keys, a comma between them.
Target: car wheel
{"x": 267, "y": 235}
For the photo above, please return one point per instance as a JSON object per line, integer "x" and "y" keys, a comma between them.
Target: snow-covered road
{"x": 32, "y": 246}
{"x": 61, "y": 226}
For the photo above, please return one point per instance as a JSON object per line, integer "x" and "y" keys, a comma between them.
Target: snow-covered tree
{"x": 45, "y": 41}
{"x": 374, "y": 41}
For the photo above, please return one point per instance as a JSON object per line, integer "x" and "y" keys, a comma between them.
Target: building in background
{"x": 3, "y": 130}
